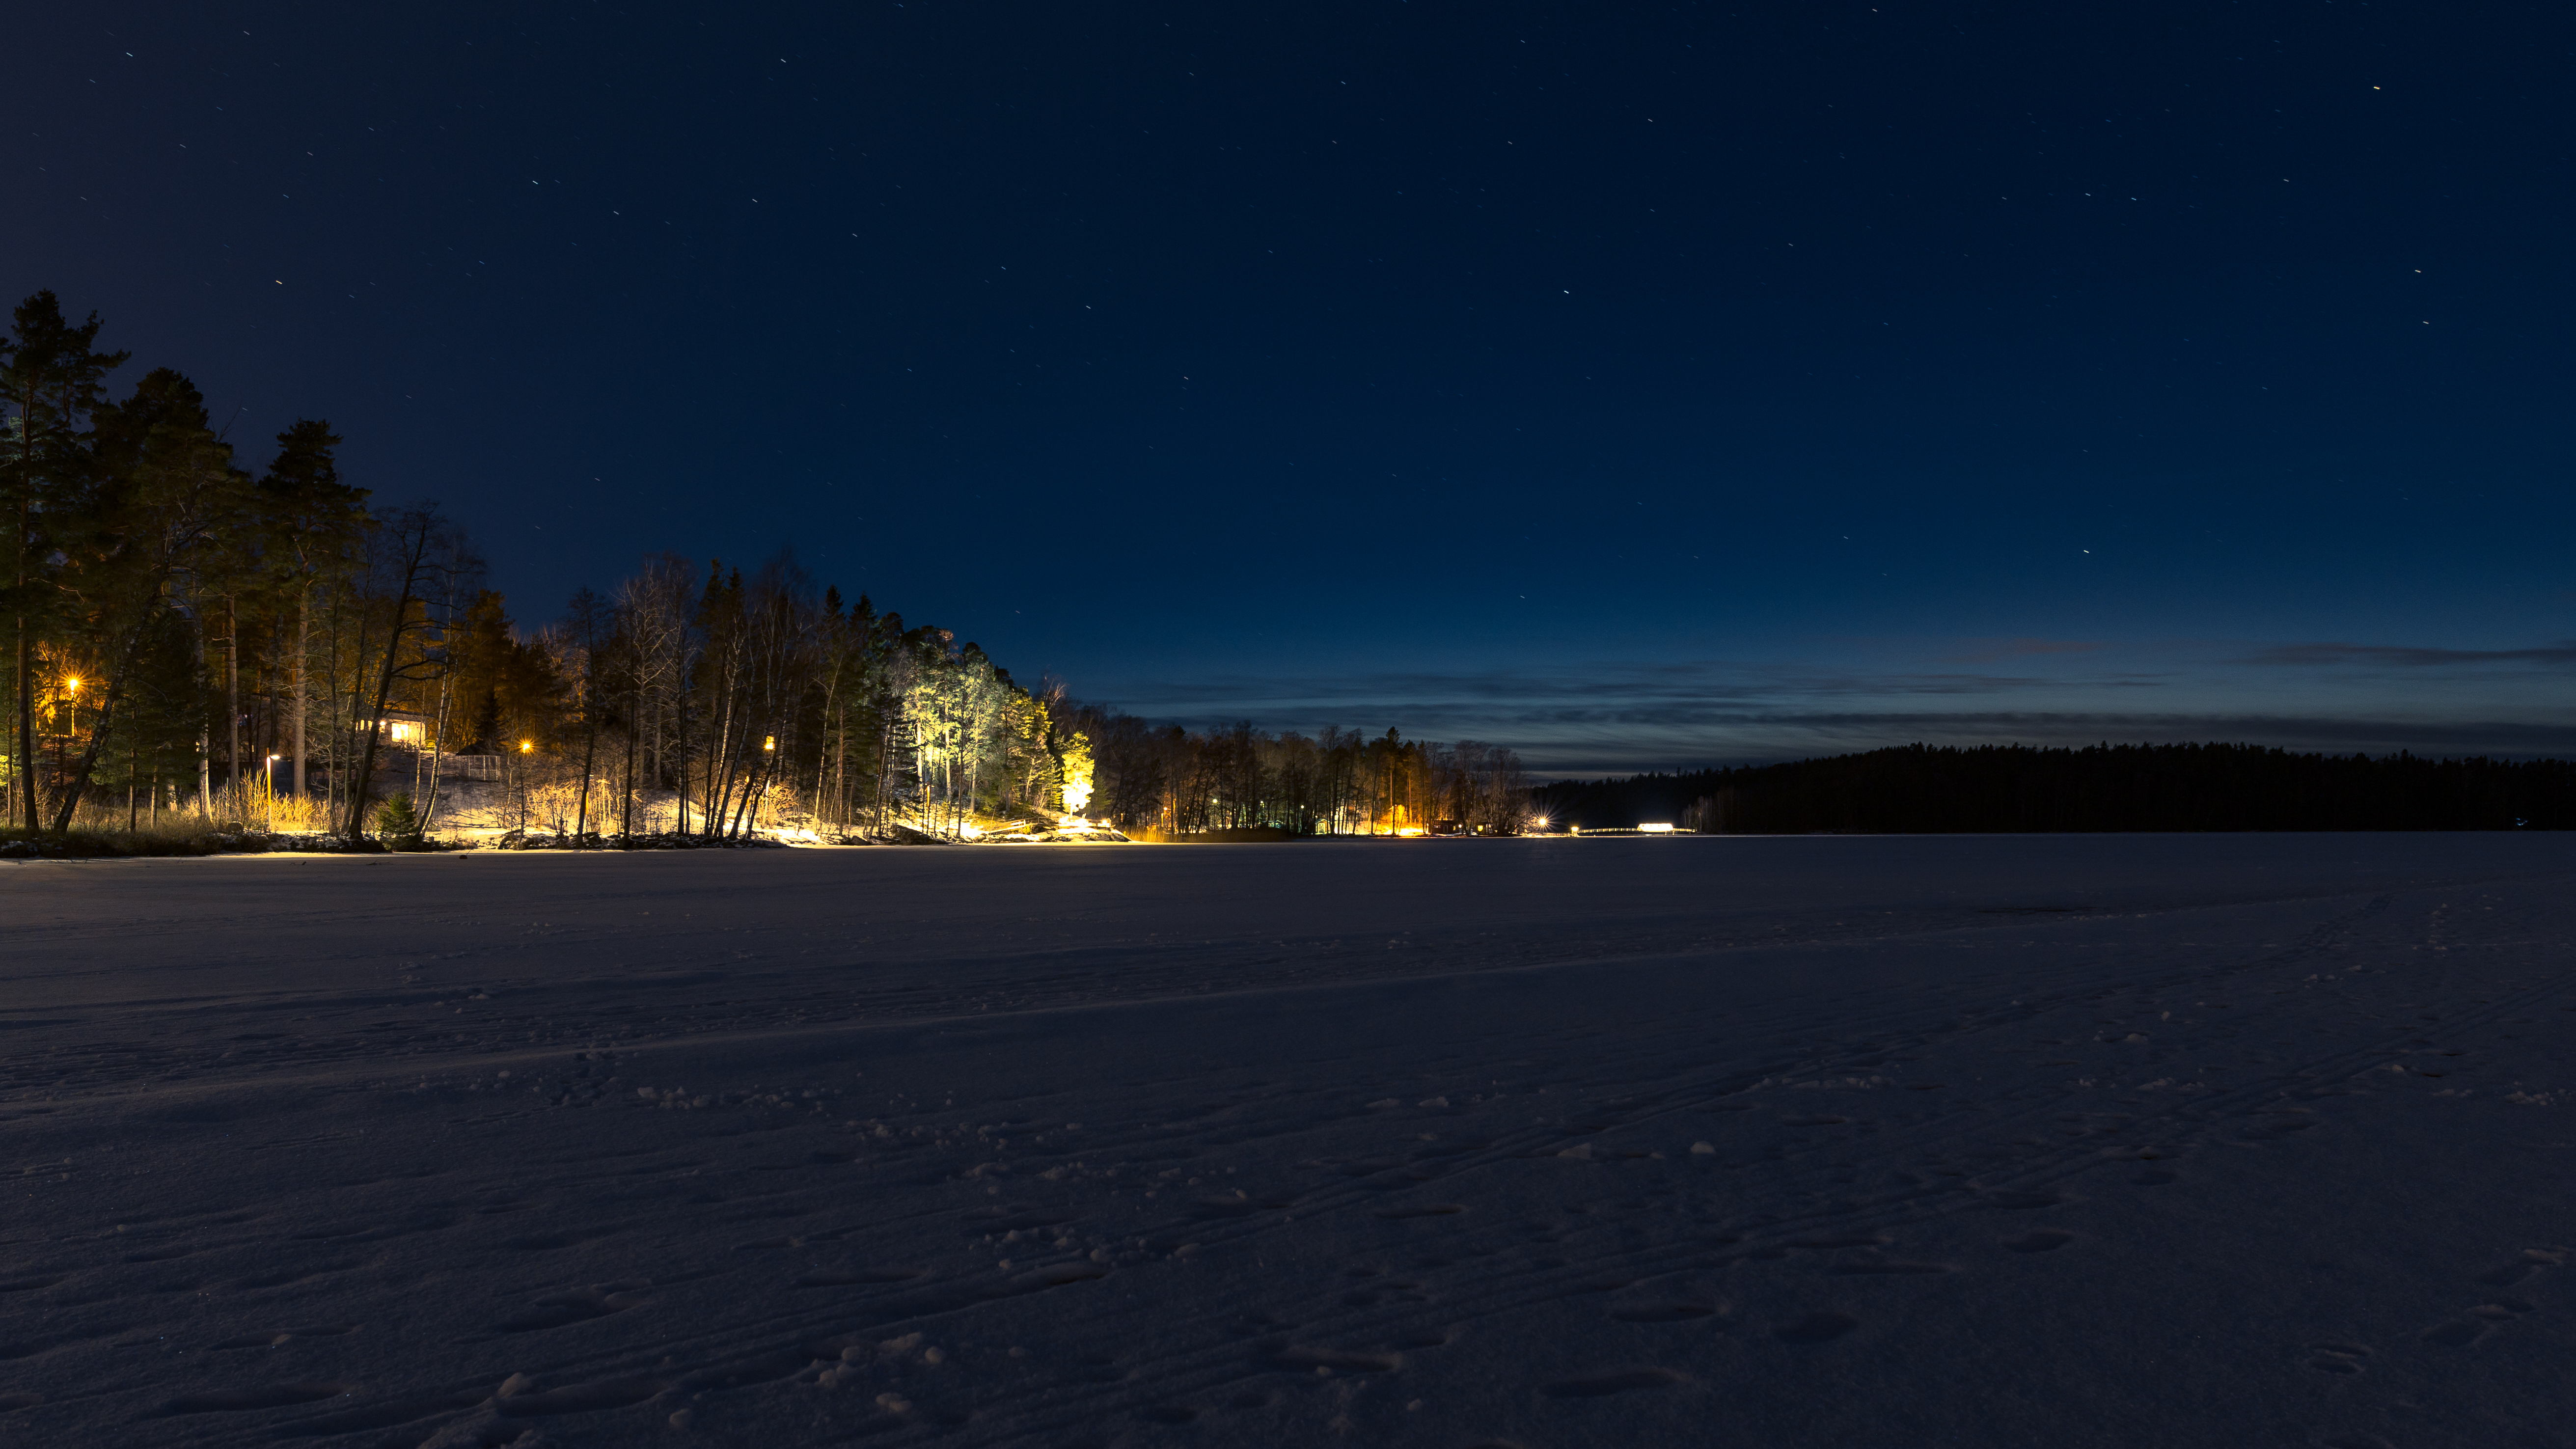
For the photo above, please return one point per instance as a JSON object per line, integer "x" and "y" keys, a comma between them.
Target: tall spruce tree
{"x": 161, "y": 503}
{"x": 50, "y": 378}
{"x": 314, "y": 524}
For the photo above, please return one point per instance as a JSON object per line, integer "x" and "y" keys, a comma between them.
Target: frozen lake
{"x": 1855, "y": 1141}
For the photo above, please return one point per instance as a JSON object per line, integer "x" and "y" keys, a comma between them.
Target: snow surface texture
{"x": 1838, "y": 1141}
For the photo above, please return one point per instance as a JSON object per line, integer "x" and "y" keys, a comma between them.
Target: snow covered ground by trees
{"x": 1858, "y": 1141}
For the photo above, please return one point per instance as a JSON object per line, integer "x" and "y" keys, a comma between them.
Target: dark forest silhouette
{"x": 1922, "y": 789}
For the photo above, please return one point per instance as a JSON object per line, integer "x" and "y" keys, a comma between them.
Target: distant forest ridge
{"x": 1920, "y": 789}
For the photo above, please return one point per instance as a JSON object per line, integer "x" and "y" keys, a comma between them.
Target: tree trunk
{"x": 69, "y": 790}
{"x": 303, "y": 643}
{"x": 418, "y": 549}
{"x": 357, "y": 696}
{"x": 438, "y": 732}
{"x": 232, "y": 703}
{"x": 375, "y": 728}
{"x": 634, "y": 723}
{"x": 589, "y": 754}
{"x": 680, "y": 723}
{"x": 26, "y": 761}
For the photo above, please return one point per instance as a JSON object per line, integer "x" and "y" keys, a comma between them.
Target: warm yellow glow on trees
{"x": 1077, "y": 772}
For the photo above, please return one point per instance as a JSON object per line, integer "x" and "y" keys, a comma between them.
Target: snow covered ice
{"x": 1849, "y": 1141}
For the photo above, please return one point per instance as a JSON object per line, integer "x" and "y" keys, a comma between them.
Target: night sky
{"x": 1640, "y": 386}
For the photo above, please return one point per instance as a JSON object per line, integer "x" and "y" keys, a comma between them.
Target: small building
{"x": 401, "y": 727}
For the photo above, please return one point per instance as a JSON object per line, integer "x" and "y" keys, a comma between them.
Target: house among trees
{"x": 403, "y": 729}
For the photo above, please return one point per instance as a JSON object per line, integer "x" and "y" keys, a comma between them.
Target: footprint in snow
{"x": 1334, "y": 1360}
{"x": 2478, "y": 1322}
{"x": 2530, "y": 1261}
{"x": 1676, "y": 1311}
{"x": 2459, "y": 1333}
{"x": 580, "y": 1305}
{"x": 1841, "y": 1240}
{"x": 1878, "y": 1263}
{"x": 2026, "y": 1201}
{"x": 1624, "y": 1381}
{"x": 847, "y": 1279}
{"x": 279, "y": 1337}
{"x": 555, "y": 1242}
{"x": 267, "y": 1396}
{"x": 580, "y": 1398}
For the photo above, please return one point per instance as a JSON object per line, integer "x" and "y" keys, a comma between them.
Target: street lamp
{"x": 525, "y": 746}
{"x": 272, "y": 790}
{"x": 63, "y": 736}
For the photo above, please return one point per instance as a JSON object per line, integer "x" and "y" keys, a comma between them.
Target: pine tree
{"x": 314, "y": 523}
{"x": 51, "y": 376}
{"x": 396, "y": 820}
{"x": 161, "y": 499}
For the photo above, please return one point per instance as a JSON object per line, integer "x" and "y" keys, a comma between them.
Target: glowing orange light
{"x": 526, "y": 745}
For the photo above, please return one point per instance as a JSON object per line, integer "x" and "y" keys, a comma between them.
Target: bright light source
{"x": 73, "y": 685}
{"x": 769, "y": 742}
{"x": 526, "y": 745}
{"x": 1654, "y": 829}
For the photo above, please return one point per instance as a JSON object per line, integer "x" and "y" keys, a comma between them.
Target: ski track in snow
{"x": 1860, "y": 1141}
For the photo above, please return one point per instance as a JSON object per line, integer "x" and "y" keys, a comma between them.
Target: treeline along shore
{"x": 193, "y": 645}
{"x": 1920, "y": 789}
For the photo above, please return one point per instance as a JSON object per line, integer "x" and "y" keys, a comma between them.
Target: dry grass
{"x": 107, "y": 828}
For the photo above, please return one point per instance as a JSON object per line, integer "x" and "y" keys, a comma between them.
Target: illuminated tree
{"x": 1074, "y": 754}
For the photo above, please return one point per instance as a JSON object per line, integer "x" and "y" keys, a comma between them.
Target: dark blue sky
{"x": 1639, "y": 386}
